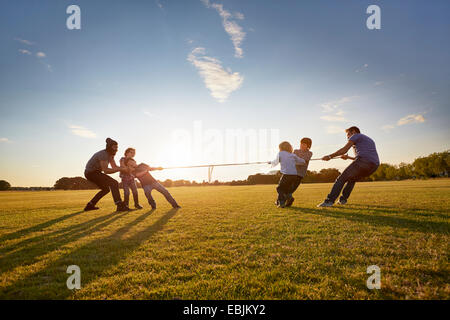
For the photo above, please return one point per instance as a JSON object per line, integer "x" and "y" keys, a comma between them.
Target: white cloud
{"x": 387, "y": 127}
{"x": 378, "y": 83}
{"x": 40, "y": 54}
{"x": 82, "y": 132}
{"x": 27, "y": 42}
{"x": 362, "y": 68}
{"x": 5, "y": 140}
{"x": 334, "y": 118}
{"x": 412, "y": 118}
{"x": 24, "y": 51}
{"x": 220, "y": 82}
{"x": 331, "y": 106}
{"x": 159, "y": 4}
{"x": 233, "y": 29}
{"x": 334, "y": 129}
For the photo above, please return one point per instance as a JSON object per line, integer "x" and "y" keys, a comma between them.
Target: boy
{"x": 149, "y": 183}
{"x": 128, "y": 180}
{"x": 287, "y": 161}
{"x": 305, "y": 154}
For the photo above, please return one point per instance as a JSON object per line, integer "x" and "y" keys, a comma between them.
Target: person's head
{"x": 351, "y": 131}
{"x": 305, "y": 144}
{"x": 111, "y": 146}
{"x": 285, "y": 146}
{"x": 130, "y": 153}
{"x": 130, "y": 163}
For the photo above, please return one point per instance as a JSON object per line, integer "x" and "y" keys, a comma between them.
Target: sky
{"x": 198, "y": 82}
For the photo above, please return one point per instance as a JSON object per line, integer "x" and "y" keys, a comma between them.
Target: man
{"x": 97, "y": 172}
{"x": 365, "y": 163}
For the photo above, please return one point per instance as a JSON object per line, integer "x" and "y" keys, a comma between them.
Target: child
{"x": 128, "y": 180}
{"x": 149, "y": 183}
{"x": 305, "y": 154}
{"x": 287, "y": 161}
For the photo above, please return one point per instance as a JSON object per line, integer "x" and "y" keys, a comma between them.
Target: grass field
{"x": 230, "y": 243}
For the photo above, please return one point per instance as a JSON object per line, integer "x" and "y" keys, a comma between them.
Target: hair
{"x": 354, "y": 129}
{"x": 285, "y": 146}
{"x": 307, "y": 141}
{"x": 129, "y": 150}
{"x": 128, "y": 160}
{"x": 109, "y": 144}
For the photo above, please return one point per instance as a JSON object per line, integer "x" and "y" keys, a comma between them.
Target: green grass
{"x": 230, "y": 243}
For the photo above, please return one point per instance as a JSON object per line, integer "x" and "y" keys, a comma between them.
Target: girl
{"x": 128, "y": 179}
{"x": 287, "y": 161}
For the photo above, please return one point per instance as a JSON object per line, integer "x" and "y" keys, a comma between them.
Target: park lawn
{"x": 230, "y": 243}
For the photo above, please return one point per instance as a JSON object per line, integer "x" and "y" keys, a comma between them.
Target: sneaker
{"x": 137, "y": 206}
{"x": 281, "y": 204}
{"x": 290, "y": 201}
{"x": 177, "y": 207}
{"x": 153, "y": 205}
{"x": 122, "y": 207}
{"x": 342, "y": 201}
{"x": 325, "y": 204}
{"x": 90, "y": 207}
{"x": 277, "y": 203}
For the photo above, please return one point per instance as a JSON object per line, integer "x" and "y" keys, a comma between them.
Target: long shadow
{"x": 93, "y": 259}
{"x": 43, "y": 244}
{"x": 38, "y": 227}
{"x": 415, "y": 211}
{"x": 395, "y": 222}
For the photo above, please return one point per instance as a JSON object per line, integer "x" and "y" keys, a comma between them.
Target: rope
{"x": 228, "y": 164}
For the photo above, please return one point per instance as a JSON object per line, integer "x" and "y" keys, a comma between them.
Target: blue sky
{"x": 138, "y": 71}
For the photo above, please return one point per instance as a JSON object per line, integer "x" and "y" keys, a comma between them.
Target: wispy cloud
{"x": 231, "y": 27}
{"x": 334, "y": 129}
{"x": 362, "y": 68}
{"x": 334, "y": 118}
{"x": 331, "y": 106}
{"x": 24, "y": 51}
{"x": 5, "y": 140}
{"x": 220, "y": 82}
{"x": 82, "y": 132}
{"x": 40, "y": 54}
{"x": 159, "y": 4}
{"x": 409, "y": 119}
{"x": 378, "y": 83}
{"x": 27, "y": 42}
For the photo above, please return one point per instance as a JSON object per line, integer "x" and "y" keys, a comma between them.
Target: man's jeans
{"x": 158, "y": 187}
{"x": 128, "y": 184}
{"x": 357, "y": 170}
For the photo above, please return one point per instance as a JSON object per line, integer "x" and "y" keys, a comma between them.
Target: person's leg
{"x": 283, "y": 188}
{"x": 366, "y": 170}
{"x": 114, "y": 186}
{"x": 159, "y": 187}
{"x": 96, "y": 178}
{"x": 148, "y": 193}
{"x": 135, "y": 193}
{"x": 351, "y": 171}
{"x": 126, "y": 191}
{"x": 294, "y": 185}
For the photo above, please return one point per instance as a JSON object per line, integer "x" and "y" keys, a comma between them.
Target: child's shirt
{"x": 147, "y": 178}
{"x": 287, "y": 162}
{"x": 125, "y": 175}
{"x": 305, "y": 155}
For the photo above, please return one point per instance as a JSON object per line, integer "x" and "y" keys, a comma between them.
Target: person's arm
{"x": 299, "y": 160}
{"x": 140, "y": 174}
{"x": 346, "y": 157}
{"x": 154, "y": 168}
{"x": 340, "y": 152}
{"x": 105, "y": 169}
{"x": 276, "y": 161}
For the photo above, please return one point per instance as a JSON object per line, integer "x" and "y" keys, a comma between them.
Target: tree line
{"x": 432, "y": 166}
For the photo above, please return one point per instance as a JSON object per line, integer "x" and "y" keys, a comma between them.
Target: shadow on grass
{"x": 379, "y": 220}
{"x": 93, "y": 259}
{"x": 415, "y": 211}
{"x": 31, "y": 249}
{"x": 38, "y": 227}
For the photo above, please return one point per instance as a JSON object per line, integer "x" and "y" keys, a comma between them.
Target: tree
{"x": 4, "y": 185}
{"x": 76, "y": 183}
